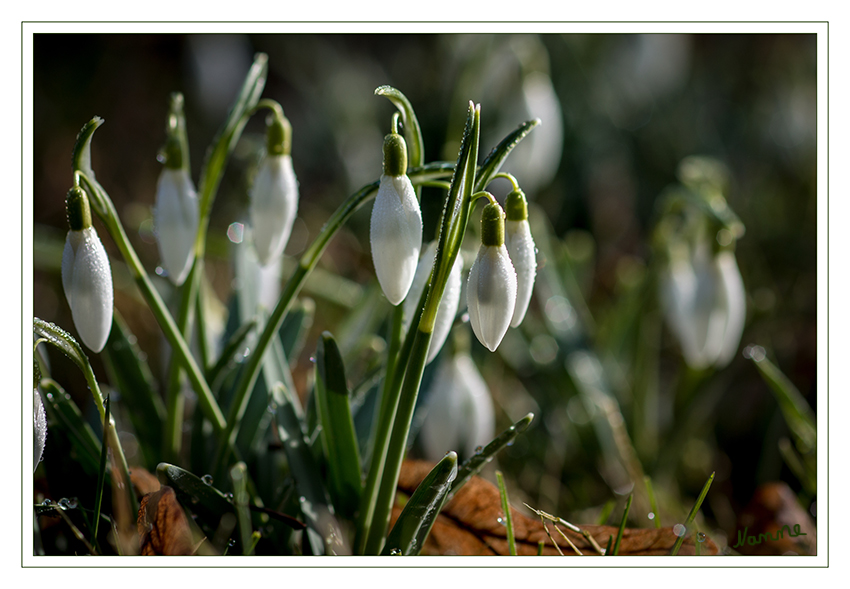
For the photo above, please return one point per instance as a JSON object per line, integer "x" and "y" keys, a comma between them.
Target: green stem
{"x": 166, "y": 322}
{"x": 293, "y": 286}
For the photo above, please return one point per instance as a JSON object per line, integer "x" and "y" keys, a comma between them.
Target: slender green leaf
{"x": 421, "y": 511}
{"x": 239, "y": 475}
{"x": 101, "y": 479}
{"x": 691, "y": 516}
{"x": 506, "y": 509}
{"x": 81, "y": 159}
{"x": 652, "y": 503}
{"x": 132, "y": 378}
{"x": 411, "y": 123}
{"x": 233, "y": 345}
{"x": 622, "y": 526}
{"x": 63, "y": 414}
{"x": 477, "y": 461}
{"x": 797, "y": 413}
{"x": 203, "y": 499}
{"x": 339, "y": 439}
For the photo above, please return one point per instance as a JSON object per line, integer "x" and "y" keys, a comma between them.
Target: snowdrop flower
{"x": 86, "y": 275}
{"x": 396, "y": 227}
{"x": 176, "y": 218}
{"x": 460, "y": 410}
{"x": 448, "y": 304}
{"x": 274, "y": 195}
{"x": 704, "y": 303}
{"x": 522, "y": 251}
{"x": 492, "y": 287}
{"x": 39, "y": 428}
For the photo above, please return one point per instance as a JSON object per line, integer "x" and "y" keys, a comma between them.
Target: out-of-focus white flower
{"x": 491, "y": 290}
{"x": 274, "y": 206}
{"x": 396, "y": 226}
{"x": 448, "y": 304}
{"x": 86, "y": 275}
{"x": 39, "y": 428}
{"x": 704, "y": 303}
{"x": 176, "y": 220}
{"x": 460, "y": 410}
{"x": 522, "y": 251}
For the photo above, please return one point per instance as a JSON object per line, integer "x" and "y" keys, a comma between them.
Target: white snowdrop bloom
{"x": 460, "y": 410}
{"x": 396, "y": 225}
{"x": 176, "y": 218}
{"x": 522, "y": 251}
{"x": 448, "y": 304}
{"x": 86, "y": 275}
{"x": 704, "y": 303}
{"x": 492, "y": 286}
{"x": 274, "y": 206}
{"x": 39, "y": 428}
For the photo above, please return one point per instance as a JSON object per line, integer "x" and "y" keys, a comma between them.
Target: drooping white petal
{"x": 176, "y": 222}
{"x": 448, "y": 304}
{"x": 521, "y": 248}
{"x": 460, "y": 410}
{"x": 87, "y": 281}
{"x": 735, "y": 297}
{"x": 491, "y": 295}
{"x": 274, "y": 206}
{"x": 39, "y": 428}
{"x": 678, "y": 293}
{"x": 396, "y": 236}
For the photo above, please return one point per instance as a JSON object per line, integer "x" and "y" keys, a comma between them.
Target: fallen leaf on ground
{"x": 470, "y": 525}
{"x": 163, "y": 527}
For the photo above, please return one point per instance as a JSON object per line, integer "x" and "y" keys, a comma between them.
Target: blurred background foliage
{"x": 619, "y": 113}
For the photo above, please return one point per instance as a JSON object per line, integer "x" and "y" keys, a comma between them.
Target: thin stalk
{"x": 692, "y": 515}
{"x": 160, "y": 311}
{"x": 293, "y": 286}
{"x": 652, "y": 503}
{"x": 622, "y": 527}
{"x": 503, "y": 492}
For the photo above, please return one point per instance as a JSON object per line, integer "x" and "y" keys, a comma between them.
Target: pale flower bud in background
{"x": 704, "y": 303}
{"x": 274, "y": 206}
{"x": 39, "y": 428}
{"x": 460, "y": 410}
{"x": 396, "y": 225}
{"x": 492, "y": 286}
{"x": 176, "y": 220}
{"x": 522, "y": 251}
{"x": 86, "y": 275}
{"x": 448, "y": 304}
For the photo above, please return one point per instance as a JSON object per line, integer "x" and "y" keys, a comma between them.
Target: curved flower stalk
{"x": 522, "y": 251}
{"x": 448, "y": 304}
{"x": 460, "y": 410}
{"x": 86, "y": 275}
{"x": 39, "y": 428}
{"x": 492, "y": 287}
{"x": 704, "y": 303}
{"x": 274, "y": 195}
{"x": 396, "y": 225}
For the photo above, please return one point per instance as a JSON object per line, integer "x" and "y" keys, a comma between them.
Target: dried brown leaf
{"x": 470, "y": 525}
{"x": 143, "y": 481}
{"x": 163, "y": 527}
{"x": 773, "y": 506}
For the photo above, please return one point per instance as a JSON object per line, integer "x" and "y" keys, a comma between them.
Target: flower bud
{"x": 176, "y": 218}
{"x": 86, "y": 275}
{"x": 460, "y": 410}
{"x": 274, "y": 195}
{"x": 521, "y": 248}
{"x": 39, "y": 428}
{"x": 396, "y": 226}
{"x": 492, "y": 287}
{"x": 448, "y": 304}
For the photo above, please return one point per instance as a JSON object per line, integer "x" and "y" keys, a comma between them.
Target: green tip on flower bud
{"x": 278, "y": 135}
{"x": 516, "y": 207}
{"x": 78, "y": 209}
{"x": 395, "y": 155}
{"x": 173, "y": 153}
{"x": 493, "y": 225}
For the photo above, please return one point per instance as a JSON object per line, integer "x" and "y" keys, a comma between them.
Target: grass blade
{"x": 656, "y": 519}
{"x": 63, "y": 415}
{"x": 622, "y": 526}
{"x": 101, "y": 478}
{"x": 239, "y": 474}
{"x": 506, "y": 508}
{"x": 207, "y": 502}
{"x": 692, "y": 515}
{"x": 339, "y": 439}
{"x": 418, "y": 516}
